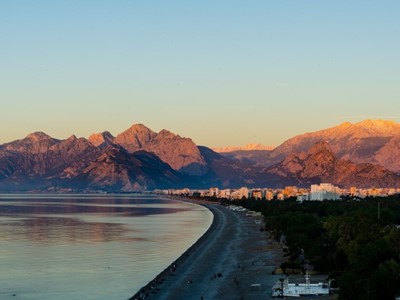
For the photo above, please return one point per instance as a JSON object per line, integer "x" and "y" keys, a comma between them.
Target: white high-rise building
{"x": 324, "y": 191}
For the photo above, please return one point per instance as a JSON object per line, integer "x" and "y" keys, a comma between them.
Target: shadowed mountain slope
{"x": 320, "y": 164}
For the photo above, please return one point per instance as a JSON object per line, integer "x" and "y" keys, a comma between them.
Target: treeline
{"x": 356, "y": 242}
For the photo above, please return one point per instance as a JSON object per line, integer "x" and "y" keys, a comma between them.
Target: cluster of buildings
{"x": 317, "y": 192}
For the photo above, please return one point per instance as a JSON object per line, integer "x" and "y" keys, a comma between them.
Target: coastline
{"x": 233, "y": 259}
{"x": 153, "y": 285}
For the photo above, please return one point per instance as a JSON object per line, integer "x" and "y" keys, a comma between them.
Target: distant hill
{"x": 248, "y": 147}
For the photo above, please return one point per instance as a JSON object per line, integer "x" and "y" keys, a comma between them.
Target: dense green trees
{"x": 349, "y": 240}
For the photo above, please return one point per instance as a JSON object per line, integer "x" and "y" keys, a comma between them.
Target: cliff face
{"x": 320, "y": 164}
{"x": 101, "y": 139}
{"x": 135, "y": 138}
{"x": 180, "y": 153}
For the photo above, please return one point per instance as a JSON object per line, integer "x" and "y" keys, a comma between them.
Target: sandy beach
{"x": 233, "y": 260}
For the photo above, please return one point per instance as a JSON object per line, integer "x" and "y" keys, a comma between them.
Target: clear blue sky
{"x": 221, "y": 72}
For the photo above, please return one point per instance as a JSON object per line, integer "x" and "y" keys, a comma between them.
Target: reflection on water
{"x": 90, "y": 247}
{"x": 61, "y": 230}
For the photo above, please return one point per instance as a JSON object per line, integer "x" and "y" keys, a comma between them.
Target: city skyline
{"x": 223, "y": 74}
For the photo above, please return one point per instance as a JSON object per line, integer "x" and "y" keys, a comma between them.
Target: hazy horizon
{"x": 224, "y": 73}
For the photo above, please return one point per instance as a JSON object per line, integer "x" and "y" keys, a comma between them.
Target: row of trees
{"x": 356, "y": 242}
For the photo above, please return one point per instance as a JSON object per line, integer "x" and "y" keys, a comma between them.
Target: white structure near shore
{"x": 323, "y": 191}
{"x": 306, "y": 289}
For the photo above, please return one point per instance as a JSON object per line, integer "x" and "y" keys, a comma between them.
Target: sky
{"x": 220, "y": 72}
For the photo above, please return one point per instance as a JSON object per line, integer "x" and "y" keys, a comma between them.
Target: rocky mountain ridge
{"x": 180, "y": 153}
{"x": 320, "y": 164}
{"x": 141, "y": 159}
{"x": 369, "y": 141}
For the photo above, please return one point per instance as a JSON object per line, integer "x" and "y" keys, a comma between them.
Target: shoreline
{"x": 161, "y": 277}
{"x": 233, "y": 259}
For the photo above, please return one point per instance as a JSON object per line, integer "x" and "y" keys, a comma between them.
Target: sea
{"x": 91, "y": 247}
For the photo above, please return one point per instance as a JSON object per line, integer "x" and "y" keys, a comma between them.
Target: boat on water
{"x": 285, "y": 289}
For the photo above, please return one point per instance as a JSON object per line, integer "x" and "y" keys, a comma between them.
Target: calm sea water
{"x": 91, "y": 246}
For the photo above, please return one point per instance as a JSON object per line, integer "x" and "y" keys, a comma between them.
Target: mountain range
{"x": 369, "y": 141}
{"x": 363, "y": 154}
{"x": 248, "y": 147}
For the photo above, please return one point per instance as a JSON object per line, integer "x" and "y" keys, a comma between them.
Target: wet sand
{"x": 233, "y": 260}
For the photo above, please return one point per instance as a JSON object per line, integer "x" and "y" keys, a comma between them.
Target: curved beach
{"x": 232, "y": 260}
